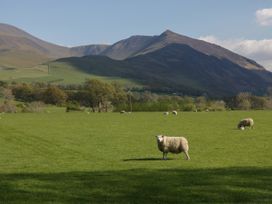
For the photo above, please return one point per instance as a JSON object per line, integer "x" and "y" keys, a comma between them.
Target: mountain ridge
{"x": 168, "y": 62}
{"x": 179, "y": 69}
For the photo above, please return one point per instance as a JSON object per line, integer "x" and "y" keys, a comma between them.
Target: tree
{"x": 99, "y": 93}
{"x": 54, "y": 95}
{"x": 24, "y": 92}
{"x": 6, "y": 94}
{"x": 243, "y": 101}
{"x": 258, "y": 102}
{"x": 201, "y": 103}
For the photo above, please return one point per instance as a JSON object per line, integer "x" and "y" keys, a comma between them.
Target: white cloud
{"x": 264, "y": 16}
{"x": 259, "y": 50}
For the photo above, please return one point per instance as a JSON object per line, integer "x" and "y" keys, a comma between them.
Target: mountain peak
{"x": 168, "y": 32}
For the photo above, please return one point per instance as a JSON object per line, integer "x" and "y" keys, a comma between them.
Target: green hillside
{"x": 61, "y": 73}
{"x": 20, "y": 59}
{"x": 59, "y": 157}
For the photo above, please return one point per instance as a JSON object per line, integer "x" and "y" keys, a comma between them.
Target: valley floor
{"x": 113, "y": 158}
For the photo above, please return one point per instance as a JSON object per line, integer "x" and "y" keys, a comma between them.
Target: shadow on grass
{"x": 140, "y": 186}
{"x": 147, "y": 159}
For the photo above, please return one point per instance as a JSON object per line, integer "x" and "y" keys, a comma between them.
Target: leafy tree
{"x": 54, "y": 95}
{"x": 6, "y": 93}
{"x": 243, "y": 101}
{"x": 258, "y": 102}
{"x": 99, "y": 94}
{"x": 200, "y": 103}
{"x": 24, "y": 92}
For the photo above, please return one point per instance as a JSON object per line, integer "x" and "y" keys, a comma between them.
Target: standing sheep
{"x": 174, "y": 112}
{"x": 166, "y": 113}
{"x": 172, "y": 144}
{"x": 247, "y": 122}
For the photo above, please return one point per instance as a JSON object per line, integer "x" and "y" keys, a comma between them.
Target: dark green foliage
{"x": 54, "y": 95}
{"x": 24, "y": 92}
{"x": 73, "y": 106}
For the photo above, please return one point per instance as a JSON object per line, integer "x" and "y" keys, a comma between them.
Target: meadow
{"x": 80, "y": 157}
{"x": 59, "y": 73}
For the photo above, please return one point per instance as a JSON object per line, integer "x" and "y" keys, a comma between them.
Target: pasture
{"x": 77, "y": 157}
{"x": 60, "y": 73}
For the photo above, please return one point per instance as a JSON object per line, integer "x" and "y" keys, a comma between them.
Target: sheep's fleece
{"x": 172, "y": 144}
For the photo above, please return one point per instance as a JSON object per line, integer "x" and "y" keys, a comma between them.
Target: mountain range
{"x": 168, "y": 62}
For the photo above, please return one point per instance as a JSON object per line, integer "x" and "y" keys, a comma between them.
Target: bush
{"x": 217, "y": 106}
{"x": 73, "y": 106}
{"x": 54, "y": 95}
{"x": 8, "y": 107}
{"x": 33, "y": 107}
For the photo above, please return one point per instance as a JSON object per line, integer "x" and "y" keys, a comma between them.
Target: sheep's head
{"x": 159, "y": 138}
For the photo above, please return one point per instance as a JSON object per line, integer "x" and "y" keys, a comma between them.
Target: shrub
{"x": 54, "y": 95}
{"x": 33, "y": 107}
{"x": 7, "y": 107}
{"x": 73, "y": 106}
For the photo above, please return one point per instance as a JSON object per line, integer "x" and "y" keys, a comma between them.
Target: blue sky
{"x": 106, "y": 21}
{"x": 80, "y": 22}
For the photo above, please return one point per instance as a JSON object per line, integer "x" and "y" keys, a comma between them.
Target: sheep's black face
{"x": 159, "y": 138}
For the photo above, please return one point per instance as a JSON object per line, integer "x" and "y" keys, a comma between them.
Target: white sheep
{"x": 166, "y": 113}
{"x": 247, "y": 122}
{"x": 174, "y": 112}
{"x": 172, "y": 144}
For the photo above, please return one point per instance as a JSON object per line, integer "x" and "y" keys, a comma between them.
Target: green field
{"x": 59, "y": 73}
{"x": 58, "y": 157}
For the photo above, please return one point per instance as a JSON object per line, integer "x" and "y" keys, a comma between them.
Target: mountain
{"x": 140, "y": 45}
{"x": 169, "y": 62}
{"x": 20, "y": 49}
{"x": 128, "y": 47}
{"x": 178, "y": 68}
{"x": 88, "y": 50}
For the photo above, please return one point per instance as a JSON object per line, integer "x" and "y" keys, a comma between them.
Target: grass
{"x": 113, "y": 158}
{"x": 60, "y": 73}
{"x": 20, "y": 59}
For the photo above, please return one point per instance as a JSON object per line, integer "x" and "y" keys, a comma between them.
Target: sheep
{"x": 122, "y": 111}
{"x": 166, "y": 113}
{"x": 172, "y": 144}
{"x": 247, "y": 122}
{"x": 174, "y": 112}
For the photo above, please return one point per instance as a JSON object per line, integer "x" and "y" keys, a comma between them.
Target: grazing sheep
{"x": 172, "y": 144}
{"x": 174, "y": 112}
{"x": 122, "y": 112}
{"x": 247, "y": 122}
{"x": 166, "y": 113}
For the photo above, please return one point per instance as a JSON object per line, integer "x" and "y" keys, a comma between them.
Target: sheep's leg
{"x": 187, "y": 155}
{"x": 164, "y": 156}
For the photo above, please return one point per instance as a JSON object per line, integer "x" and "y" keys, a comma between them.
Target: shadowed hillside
{"x": 181, "y": 69}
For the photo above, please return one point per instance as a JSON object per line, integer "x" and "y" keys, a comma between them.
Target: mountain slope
{"x": 148, "y": 44}
{"x": 85, "y": 50}
{"x": 128, "y": 47}
{"x": 12, "y": 38}
{"x": 178, "y": 68}
{"x": 180, "y": 65}
{"x": 20, "y": 49}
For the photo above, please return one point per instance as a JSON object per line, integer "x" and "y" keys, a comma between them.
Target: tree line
{"x": 100, "y": 96}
